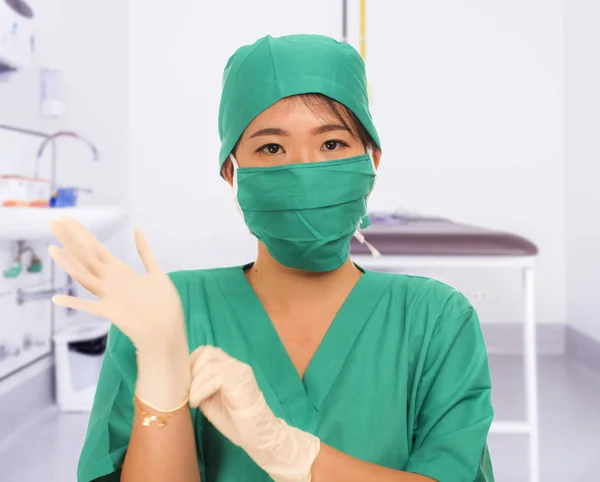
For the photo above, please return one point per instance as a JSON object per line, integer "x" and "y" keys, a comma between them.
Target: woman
{"x": 303, "y": 365}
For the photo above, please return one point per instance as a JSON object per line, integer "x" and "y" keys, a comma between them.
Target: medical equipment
{"x": 439, "y": 242}
{"x": 52, "y": 104}
{"x": 362, "y": 40}
{"x": 21, "y": 191}
{"x": 226, "y": 391}
{"x": 16, "y": 267}
{"x": 79, "y": 349}
{"x": 305, "y": 214}
{"x": 65, "y": 197}
{"x": 259, "y": 75}
{"x": 147, "y": 309}
{"x": 16, "y": 36}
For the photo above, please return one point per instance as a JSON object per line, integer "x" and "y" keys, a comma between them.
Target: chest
{"x": 301, "y": 332}
{"x": 365, "y": 415}
{"x": 340, "y": 371}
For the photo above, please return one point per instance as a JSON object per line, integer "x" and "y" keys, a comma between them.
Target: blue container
{"x": 64, "y": 197}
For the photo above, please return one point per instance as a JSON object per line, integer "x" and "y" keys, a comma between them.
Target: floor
{"x": 569, "y": 430}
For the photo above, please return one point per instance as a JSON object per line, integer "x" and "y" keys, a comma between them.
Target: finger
{"x": 205, "y": 355}
{"x": 89, "y": 306}
{"x": 194, "y": 355}
{"x": 88, "y": 238}
{"x": 74, "y": 244}
{"x": 143, "y": 249}
{"x": 210, "y": 361}
{"x": 205, "y": 352}
{"x": 70, "y": 264}
{"x": 202, "y": 388}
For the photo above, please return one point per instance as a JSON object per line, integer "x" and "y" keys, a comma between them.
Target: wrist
{"x": 164, "y": 345}
{"x": 164, "y": 377}
{"x": 291, "y": 458}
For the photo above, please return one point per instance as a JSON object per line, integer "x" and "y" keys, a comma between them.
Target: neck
{"x": 289, "y": 287}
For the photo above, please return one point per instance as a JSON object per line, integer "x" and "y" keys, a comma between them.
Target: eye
{"x": 333, "y": 145}
{"x": 270, "y": 149}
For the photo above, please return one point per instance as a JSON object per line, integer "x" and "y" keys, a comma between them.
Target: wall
{"x": 582, "y": 166}
{"x": 176, "y": 60}
{"x": 19, "y": 106}
{"x": 88, "y": 41}
{"x": 468, "y": 97}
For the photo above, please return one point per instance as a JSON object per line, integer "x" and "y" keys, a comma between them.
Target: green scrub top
{"x": 401, "y": 379}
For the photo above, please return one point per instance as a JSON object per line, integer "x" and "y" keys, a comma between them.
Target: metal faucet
{"x": 50, "y": 139}
{"x": 69, "y": 288}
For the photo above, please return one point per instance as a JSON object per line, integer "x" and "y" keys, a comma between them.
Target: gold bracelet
{"x": 149, "y": 417}
{"x": 158, "y": 409}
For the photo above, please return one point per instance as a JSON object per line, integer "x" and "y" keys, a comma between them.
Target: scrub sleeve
{"x": 455, "y": 401}
{"x": 111, "y": 418}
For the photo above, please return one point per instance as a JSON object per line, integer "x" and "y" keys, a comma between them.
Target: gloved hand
{"x": 145, "y": 307}
{"x": 227, "y": 393}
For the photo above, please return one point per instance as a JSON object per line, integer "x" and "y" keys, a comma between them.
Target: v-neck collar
{"x": 302, "y": 398}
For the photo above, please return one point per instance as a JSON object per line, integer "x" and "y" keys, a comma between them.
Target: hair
{"x": 322, "y": 105}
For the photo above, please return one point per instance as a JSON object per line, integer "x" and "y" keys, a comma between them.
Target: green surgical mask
{"x": 306, "y": 214}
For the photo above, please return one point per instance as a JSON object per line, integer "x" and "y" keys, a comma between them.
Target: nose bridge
{"x": 302, "y": 154}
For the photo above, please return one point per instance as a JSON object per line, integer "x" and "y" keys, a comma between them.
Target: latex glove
{"x": 227, "y": 393}
{"x": 145, "y": 307}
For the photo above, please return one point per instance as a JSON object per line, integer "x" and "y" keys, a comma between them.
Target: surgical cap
{"x": 258, "y": 75}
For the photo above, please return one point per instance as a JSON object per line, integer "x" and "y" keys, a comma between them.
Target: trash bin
{"x": 78, "y": 351}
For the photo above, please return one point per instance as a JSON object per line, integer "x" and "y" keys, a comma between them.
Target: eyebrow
{"x": 276, "y": 131}
{"x": 330, "y": 128}
{"x": 270, "y": 131}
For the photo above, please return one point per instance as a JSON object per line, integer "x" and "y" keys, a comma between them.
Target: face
{"x": 290, "y": 132}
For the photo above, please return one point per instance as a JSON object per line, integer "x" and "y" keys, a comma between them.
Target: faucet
{"x": 51, "y": 138}
{"x": 69, "y": 289}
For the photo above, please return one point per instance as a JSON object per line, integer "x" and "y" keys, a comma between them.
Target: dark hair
{"x": 321, "y": 104}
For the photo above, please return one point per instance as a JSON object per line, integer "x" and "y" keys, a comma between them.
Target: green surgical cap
{"x": 258, "y": 75}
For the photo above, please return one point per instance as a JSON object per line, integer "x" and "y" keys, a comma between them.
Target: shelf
{"x": 12, "y": 363}
{"x": 32, "y": 223}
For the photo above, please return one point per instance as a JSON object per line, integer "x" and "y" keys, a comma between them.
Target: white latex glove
{"x": 145, "y": 307}
{"x": 227, "y": 393}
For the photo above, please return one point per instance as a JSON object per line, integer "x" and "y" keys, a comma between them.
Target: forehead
{"x": 295, "y": 110}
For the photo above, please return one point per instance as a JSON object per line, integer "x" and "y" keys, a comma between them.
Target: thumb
{"x": 203, "y": 388}
{"x": 143, "y": 249}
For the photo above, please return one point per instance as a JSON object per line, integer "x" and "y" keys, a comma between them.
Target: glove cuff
{"x": 291, "y": 455}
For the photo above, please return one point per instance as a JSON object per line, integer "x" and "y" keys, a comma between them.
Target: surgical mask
{"x": 306, "y": 214}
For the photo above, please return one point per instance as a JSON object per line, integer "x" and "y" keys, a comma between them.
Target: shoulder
{"x": 423, "y": 291}
{"x": 203, "y": 294}
{"x": 189, "y": 281}
{"x": 197, "y": 275}
{"x": 429, "y": 303}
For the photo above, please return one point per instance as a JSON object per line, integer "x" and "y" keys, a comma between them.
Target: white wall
{"x": 582, "y": 164}
{"x": 176, "y": 60}
{"x": 88, "y": 41}
{"x": 468, "y": 97}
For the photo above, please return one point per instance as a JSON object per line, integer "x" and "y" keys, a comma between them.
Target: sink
{"x": 32, "y": 223}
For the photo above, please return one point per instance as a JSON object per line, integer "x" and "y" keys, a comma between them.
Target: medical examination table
{"x": 412, "y": 242}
